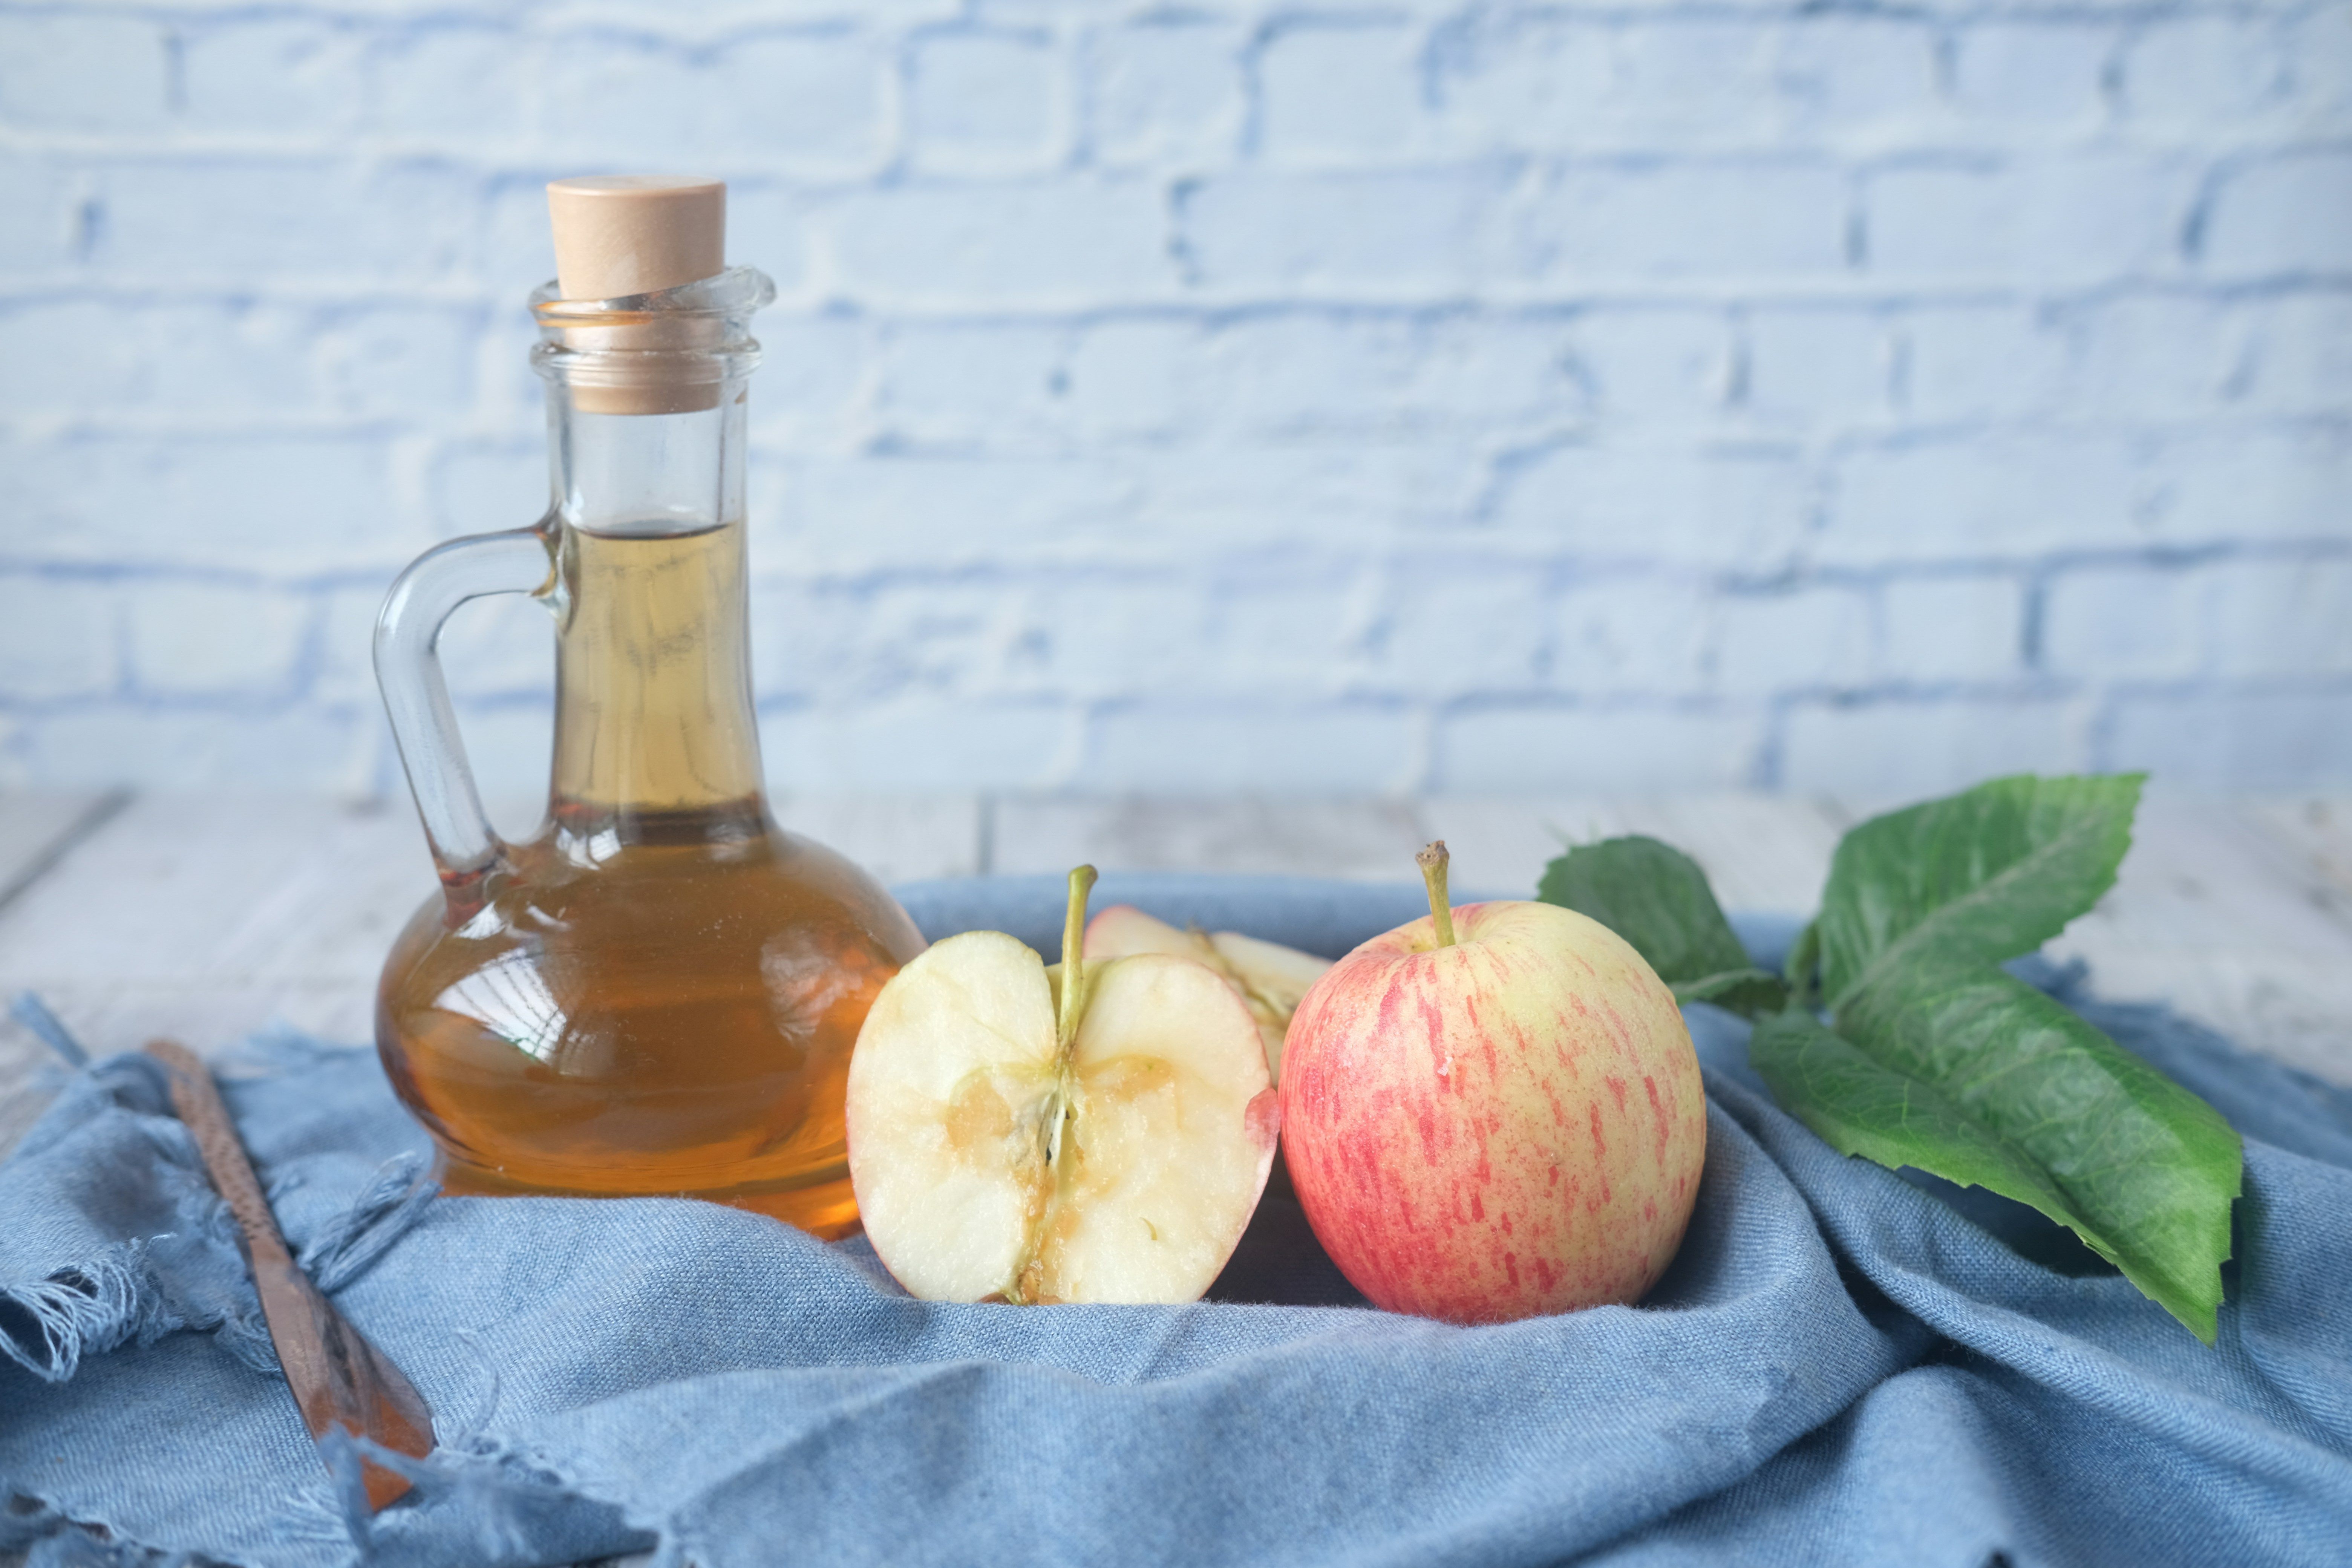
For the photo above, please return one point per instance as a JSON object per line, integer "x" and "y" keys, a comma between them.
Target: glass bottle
{"x": 657, "y": 992}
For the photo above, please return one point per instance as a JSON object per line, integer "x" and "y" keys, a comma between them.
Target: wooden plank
{"x": 207, "y": 917}
{"x": 2214, "y": 917}
{"x": 36, "y": 825}
{"x": 1761, "y": 853}
{"x": 2316, "y": 832}
{"x": 1367, "y": 840}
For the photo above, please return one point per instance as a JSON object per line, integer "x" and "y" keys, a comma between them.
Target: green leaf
{"x": 1962, "y": 1070}
{"x": 1656, "y": 897}
{"x": 1803, "y": 969}
{"x": 1978, "y": 877}
{"x": 1750, "y": 993}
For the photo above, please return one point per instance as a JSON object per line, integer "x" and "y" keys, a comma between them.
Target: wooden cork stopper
{"x": 618, "y": 235}
{"x": 633, "y": 234}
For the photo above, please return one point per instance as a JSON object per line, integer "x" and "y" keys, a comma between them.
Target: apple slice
{"x": 1269, "y": 977}
{"x": 1095, "y": 1132}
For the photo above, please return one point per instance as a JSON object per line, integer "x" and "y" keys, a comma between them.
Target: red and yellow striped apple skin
{"x": 1505, "y": 1128}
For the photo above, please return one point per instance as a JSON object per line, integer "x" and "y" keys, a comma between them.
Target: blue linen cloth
{"x": 1841, "y": 1367}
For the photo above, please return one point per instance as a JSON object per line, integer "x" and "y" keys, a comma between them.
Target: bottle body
{"x": 673, "y": 1018}
{"x": 657, "y": 994}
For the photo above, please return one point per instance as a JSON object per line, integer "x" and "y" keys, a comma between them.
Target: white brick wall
{"x": 1303, "y": 396}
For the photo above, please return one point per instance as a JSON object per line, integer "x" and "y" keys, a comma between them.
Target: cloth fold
{"x": 1841, "y": 1365}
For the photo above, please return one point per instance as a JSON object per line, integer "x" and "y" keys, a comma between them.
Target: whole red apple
{"x": 1494, "y": 1112}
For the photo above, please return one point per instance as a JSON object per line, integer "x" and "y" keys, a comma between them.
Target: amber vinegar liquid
{"x": 660, "y": 991}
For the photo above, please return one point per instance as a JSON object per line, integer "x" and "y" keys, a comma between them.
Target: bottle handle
{"x": 417, "y": 696}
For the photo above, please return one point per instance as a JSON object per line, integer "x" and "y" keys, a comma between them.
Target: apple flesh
{"x": 1494, "y": 1113}
{"x": 1269, "y": 978}
{"x": 1095, "y": 1132}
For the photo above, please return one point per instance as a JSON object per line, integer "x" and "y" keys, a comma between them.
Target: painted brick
{"x": 984, "y": 385}
{"x": 481, "y": 486}
{"x": 1098, "y": 637}
{"x": 1437, "y": 229}
{"x": 1991, "y": 497}
{"x": 1666, "y": 366}
{"x": 1127, "y": 377}
{"x": 1939, "y": 630}
{"x": 984, "y": 102}
{"x": 47, "y": 224}
{"x": 2031, "y": 76}
{"x": 2163, "y": 356}
{"x": 1246, "y": 501}
{"x": 1677, "y": 81}
{"x": 250, "y": 221}
{"x": 1027, "y": 243}
{"x": 449, "y": 82}
{"x": 1903, "y": 749}
{"x": 510, "y": 744}
{"x": 812, "y": 388}
{"x": 497, "y": 648}
{"x": 2319, "y": 66}
{"x": 2125, "y": 622}
{"x": 58, "y": 639}
{"x": 2285, "y": 484}
{"x": 1172, "y": 748}
{"x": 82, "y": 72}
{"x": 952, "y": 637}
{"x": 2282, "y": 618}
{"x": 282, "y": 75}
{"x": 61, "y": 353}
{"x": 345, "y": 667}
{"x": 1642, "y": 635}
{"x": 2226, "y": 740}
{"x": 203, "y": 640}
{"x": 892, "y": 511}
{"x": 1449, "y": 630}
{"x": 1809, "y": 639}
{"x": 1303, "y": 371}
{"x": 809, "y": 104}
{"x": 1530, "y": 397}
{"x": 1167, "y": 92}
{"x": 2284, "y": 215}
{"x": 1967, "y": 362}
{"x": 1818, "y": 367}
{"x": 1733, "y": 508}
{"x": 1300, "y": 630}
{"x": 249, "y": 502}
{"x": 2299, "y": 353}
{"x": 918, "y": 744}
{"x": 2059, "y": 220}
{"x": 1339, "y": 93}
{"x": 1765, "y": 219}
{"x": 1867, "y": 79}
{"x": 1547, "y": 747}
{"x": 1510, "y": 81}
{"x": 2197, "y": 72}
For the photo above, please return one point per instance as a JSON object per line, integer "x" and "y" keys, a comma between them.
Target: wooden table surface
{"x": 206, "y": 916}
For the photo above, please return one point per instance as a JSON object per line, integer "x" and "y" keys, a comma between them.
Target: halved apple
{"x": 1269, "y": 978}
{"x": 1095, "y": 1132}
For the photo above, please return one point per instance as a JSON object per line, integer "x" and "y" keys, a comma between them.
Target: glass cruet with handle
{"x": 658, "y": 991}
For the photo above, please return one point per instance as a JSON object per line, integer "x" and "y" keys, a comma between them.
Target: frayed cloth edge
{"x": 84, "y": 1310}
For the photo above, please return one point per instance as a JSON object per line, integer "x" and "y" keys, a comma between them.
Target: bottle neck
{"x": 656, "y": 740}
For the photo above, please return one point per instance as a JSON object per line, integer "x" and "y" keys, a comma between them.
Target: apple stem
{"x": 1433, "y": 861}
{"x": 1073, "y": 956}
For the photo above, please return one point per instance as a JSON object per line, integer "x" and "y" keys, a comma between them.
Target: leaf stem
{"x": 1432, "y": 860}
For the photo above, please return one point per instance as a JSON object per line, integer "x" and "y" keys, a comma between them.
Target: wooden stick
{"x": 337, "y": 1377}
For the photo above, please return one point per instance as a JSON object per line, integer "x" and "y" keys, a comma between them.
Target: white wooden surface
{"x": 206, "y": 917}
